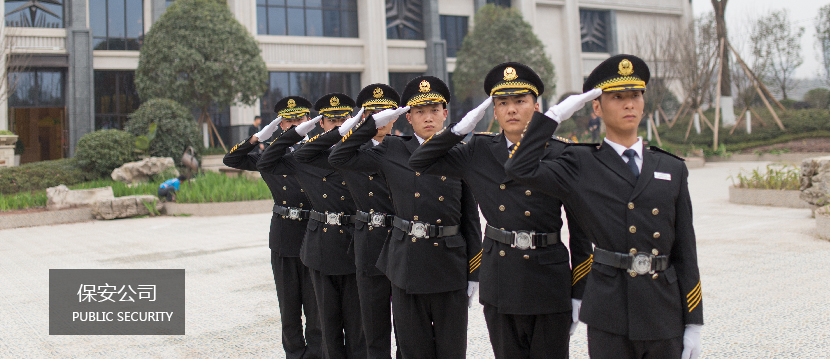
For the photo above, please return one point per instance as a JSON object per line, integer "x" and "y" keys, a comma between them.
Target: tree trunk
{"x": 720, "y": 20}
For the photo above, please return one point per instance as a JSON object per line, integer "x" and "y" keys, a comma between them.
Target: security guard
{"x": 434, "y": 251}
{"x": 374, "y": 210}
{"x": 526, "y": 279}
{"x": 643, "y": 297}
{"x": 288, "y": 225}
{"x": 327, "y": 244}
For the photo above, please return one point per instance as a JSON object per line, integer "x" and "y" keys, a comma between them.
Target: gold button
{"x": 371, "y": 177}
{"x": 502, "y": 186}
{"x": 631, "y": 205}
{"x": 301, "y": 204}
{"x": 438, "y": 221}
{"x": 655, "y": 252}
{"x": 417, "y": 174}
{"x": 341, "y": 231}
{"x": 324, "y": 179}
{"x": 417, "y": 194}
{"x": 632, "y": 229}
{"x": 526, "y": 256}
{"x": 654, "y": 276}
{"x": 527, "y": 192}
{"x": 440, "y": 198}
{"x": 501, "y": 253}
{"x": 501, "y": 207}
{"x": 283, "y": 202}
{"x": 434, "y": 244}
{"x": 527, "y": 213}
{"x": 325, "y": 229}
{"x": 344, "y": 183}
{"x": 285, "y": 176}
{"x": 632, "y": 251}
{"x": 342, "y": 198}
{"x": 325, "y": 196}
{"x": 415, "y": 218}
{"x": 443, "y": 178}
{"x": 655, "y": 211}
{"x": 371, "y": 194}
{"x": 370, "y": 228}
{"x": 633, "y": 273}
{"x": 414, "y": 239}
{"x": 301, "y": 190}
{"x": 284, "y": 188}
{"x": 283, "y": 217}
{"x": 656, "y": 235}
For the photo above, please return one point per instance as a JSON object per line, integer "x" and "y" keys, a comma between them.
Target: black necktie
{"x": 631, "y": 154}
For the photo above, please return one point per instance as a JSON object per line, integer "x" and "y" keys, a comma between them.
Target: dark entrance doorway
{"x": 37, "y": 112}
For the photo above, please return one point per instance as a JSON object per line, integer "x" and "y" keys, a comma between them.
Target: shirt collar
{"x": 637, "y": 147}
{"x": 420, "y": 140}
{"x": 375, "y": 142}
{"x": 509, "y": 143}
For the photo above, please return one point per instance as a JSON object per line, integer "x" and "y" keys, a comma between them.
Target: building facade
{"x": 70, "y": 64}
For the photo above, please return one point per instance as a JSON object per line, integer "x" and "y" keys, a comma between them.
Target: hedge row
{"x": 41, "y": 175}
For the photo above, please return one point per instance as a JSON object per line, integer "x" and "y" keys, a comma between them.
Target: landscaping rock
{"x": 815, "y": 180}
{"x": 124, "y": 207}
{"x": 140, "y": 171}
{"x": 823, "y": 222}
{"x": 60, "y": 197}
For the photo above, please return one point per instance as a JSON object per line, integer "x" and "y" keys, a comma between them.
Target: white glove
{"x": 305, "y": 127}
{"x": 576, "y": 304}
{"x": 349, "y": 124}
{"x": 570, "y": 105}
{"x": 268, "y": 130}
{"x": 691, "y": 342}
{"x": 472, "y": 287}
{"x": 386, "y": 116}
{"x": 469, "y": 121}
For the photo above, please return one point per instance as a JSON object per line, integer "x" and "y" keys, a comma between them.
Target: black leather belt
{"x": 424, "y": 230}
{"x": 331, "y": 218}
{"x": 291, "y": 212}
{"x": 634, "y": 263}
{"x": 374, "y": 219}
{"x": 522, "y": 240}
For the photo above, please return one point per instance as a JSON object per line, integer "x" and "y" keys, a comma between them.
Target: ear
{"x": 409, "y": 117}
{"x": 446, "y": 113}
{"x": 536, "y": 107}
{"x": 597, "y": 105}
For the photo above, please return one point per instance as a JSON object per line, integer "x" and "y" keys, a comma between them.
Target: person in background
{"x": 168, "y": 188}
{"x": 594, "y": 125}
{"x": 253, "y": 129}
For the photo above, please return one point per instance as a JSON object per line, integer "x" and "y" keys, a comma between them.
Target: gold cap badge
{"x": 626, "y": 68}
{"x": 378, "y": 93}
{"x": 424, "y": 87}
{"x": 291, "y": 103}
{"x": 510, "y": 74}
{"x": 334, "y": 101}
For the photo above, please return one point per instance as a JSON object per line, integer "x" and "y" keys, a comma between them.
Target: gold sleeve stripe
{"x": 314, "y": 138}
{"x": 580, "y": 275}
{"x": 585, "y": 263}
{"x": 475, "y": 263}
{"x": 234, "y": 148}
{"x": 473, "y": 268}
{"x": 694, "y": 291}
{"x": 694, "y": 305}
{"x": 476, "y": 257}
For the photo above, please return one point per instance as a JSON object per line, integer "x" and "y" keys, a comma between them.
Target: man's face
{"x": 328, "y": 123}
{"x": 367, "y": 113}
{"x": 514, "y": 112}
{"x": 386, "y": 129}
{"x": 257, "y": 121}
{"x": 621, "y": 111}
{"x": 288, "y": 123}
{"x": 426, "y": 120}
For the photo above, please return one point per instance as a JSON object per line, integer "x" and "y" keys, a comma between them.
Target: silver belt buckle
{"x": 523, "y": 240}
{"x": 377, "y": 220}
{"x": 332, "y": 218}
{"x": 294, "y": 213}
{"x": 419, "y": 230}
{"x": 641, "y": 264}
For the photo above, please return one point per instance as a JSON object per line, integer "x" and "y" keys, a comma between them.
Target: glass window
{"x": 505, "y": 3}
{"x": 115, "y": 98}
{"x": 36, "y": 88}
{"x": 167, "y": 3}
{"x": 453, "y": 31}
{"x": 405, "y": 19}
{"x": 34, "y": 13}
{"x": 333, "y": 18}
{"x": 593, "y": 26}
{"x": 398, "y": 81}
{"x": 310, "y": 85}
{"x": 458, "y": 108}
{"x": 116, "y": 24}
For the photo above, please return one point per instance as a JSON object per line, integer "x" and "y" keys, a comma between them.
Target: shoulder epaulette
{"x": 666, "y": 152}
{"x": 486, "y": 133}
{"x": 561, "y": 139}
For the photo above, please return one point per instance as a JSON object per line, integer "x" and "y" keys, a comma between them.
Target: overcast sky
{"x": 739, "y": 14}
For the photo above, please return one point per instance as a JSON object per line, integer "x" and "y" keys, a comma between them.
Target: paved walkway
{"x": 764, "y": 282}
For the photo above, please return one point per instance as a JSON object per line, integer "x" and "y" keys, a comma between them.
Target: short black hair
{"x": 257, "y": 117}
{"x": 182, "y": 178}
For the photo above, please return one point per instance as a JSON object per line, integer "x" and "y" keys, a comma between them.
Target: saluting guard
{"x": 374, "y": 209}
{"x": 288, "y": 226}
{"x": 434, "y": 252}
{"x": 326, "y": 247}
{"x": 643, "y": 297}
{"x": 527, "y": 285}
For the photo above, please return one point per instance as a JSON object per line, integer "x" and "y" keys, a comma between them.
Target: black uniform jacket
{"x": 326, "y": 248}
{"x": 286, "y": 235}
{"x": 533, "y": 281}
{"x": 419, "y": 266}
{"x": 370, "y": 195}
{"x": 651, "y": 215}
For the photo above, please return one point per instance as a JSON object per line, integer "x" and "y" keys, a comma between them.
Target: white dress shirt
{"x": 637, "y": 147}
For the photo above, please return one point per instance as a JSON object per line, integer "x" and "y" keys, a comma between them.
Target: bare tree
{"x": 775, "y": 39}
{"x": 658, "y": 46}
{"x": 697, "y": 49}
{"x": 823, "y": 40}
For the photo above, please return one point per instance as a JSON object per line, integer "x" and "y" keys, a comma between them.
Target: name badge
{"x": 662, "y": 176}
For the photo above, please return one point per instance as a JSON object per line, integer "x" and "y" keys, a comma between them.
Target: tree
{"x": 776, "y": 40}
{"x": 199, "y": 55}
{"x": 726, "y": 76}
{"x": 500, "y": 35}
{"x": 823, "y": 38}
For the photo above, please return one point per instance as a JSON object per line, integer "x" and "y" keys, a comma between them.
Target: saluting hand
{"x": 386, "y": 116}
{"x": 469, "y": 121}
{"x": 571, "y": 104}
{"x": 267, "y": 131}
{"x": 305, "y": 127}
{"x": 349, "y": 124}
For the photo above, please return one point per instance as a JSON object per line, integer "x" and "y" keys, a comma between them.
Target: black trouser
{"x": 295, "y": 293}
{"x": 167, "y": 193}
{"x": 605, "y": 345}
{"x": 376, "y": 312}
{"x": 543, "y": 336}
{"x": 431, "y": 326}
{"x": 339, "y": 305}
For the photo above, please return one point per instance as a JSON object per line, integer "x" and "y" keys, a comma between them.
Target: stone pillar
{"x": 4, "y": 104}
{"x": 242, "y": 115}
{"x": 158, "y": 6}
{"x": 436, "y": 51}
{"x": 79, "y": 99}
{"x": 573, "y": 40}
{"x": 371, "y": 18}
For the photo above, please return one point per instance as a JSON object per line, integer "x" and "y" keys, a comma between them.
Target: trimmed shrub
{"x": 175, "y": 128}
{"x": 102, "y": 151}
{"x": 41, "y": 175}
